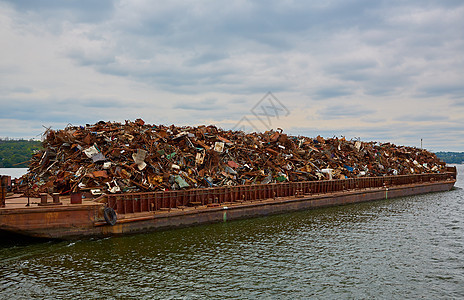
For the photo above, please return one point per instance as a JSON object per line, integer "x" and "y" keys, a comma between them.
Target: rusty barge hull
{"x": 76, "y": 221}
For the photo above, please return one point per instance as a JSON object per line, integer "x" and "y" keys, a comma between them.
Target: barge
{"x": 59, "y": 217}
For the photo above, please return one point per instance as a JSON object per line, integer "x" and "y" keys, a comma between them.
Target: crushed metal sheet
{"x": 135, "y": 157}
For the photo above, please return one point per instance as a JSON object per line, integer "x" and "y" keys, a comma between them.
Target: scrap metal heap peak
{"x": 110, "y": 157}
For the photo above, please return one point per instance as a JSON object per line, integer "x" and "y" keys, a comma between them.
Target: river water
{"x": 404, "y": 248}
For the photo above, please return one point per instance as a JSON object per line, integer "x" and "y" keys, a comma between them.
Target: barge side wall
{"x": 179, "y": 219}
{"x": 265, "y": 208}
{"x": 84, "y": 221}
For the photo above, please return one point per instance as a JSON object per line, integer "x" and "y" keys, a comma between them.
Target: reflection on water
{"x": 402, "y": 248}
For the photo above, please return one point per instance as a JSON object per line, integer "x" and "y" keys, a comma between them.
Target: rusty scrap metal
{"x": 110, "y": 157}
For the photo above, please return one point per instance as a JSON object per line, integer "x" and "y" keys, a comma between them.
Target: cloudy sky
{"x": 377, "y": 70}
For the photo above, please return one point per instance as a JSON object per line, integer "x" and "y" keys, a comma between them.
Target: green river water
{"x": 405, "y": 248}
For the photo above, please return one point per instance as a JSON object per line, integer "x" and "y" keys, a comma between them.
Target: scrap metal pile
{"x": 110, "y": 157}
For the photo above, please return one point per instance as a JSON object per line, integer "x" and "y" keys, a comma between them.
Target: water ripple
{"x": 411, "y": 247}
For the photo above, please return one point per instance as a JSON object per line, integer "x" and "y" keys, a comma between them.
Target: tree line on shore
{"x": 451, "y": 157}
{"x": 17, "y": 153}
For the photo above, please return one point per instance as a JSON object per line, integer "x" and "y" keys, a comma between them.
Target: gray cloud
{"x": 206, "y": 104}
{"x": 332, "y": 92}
{"x": 345, "y": 111}
{"x": 71, "y": 10}
{"x": 206, "y": 44}
{"x": 458, "y": 103}
{"x": 82, "y": 61}
{"x": 61, "y": 111}
{"x": 422, "y": 118}
{"x": 15, "y": 90}
{"x": 456, "y": 91}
